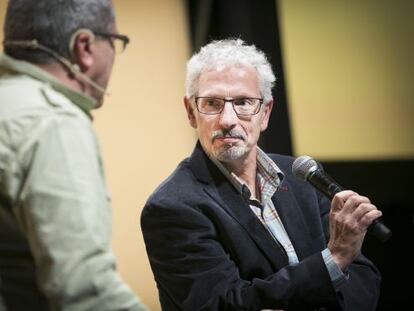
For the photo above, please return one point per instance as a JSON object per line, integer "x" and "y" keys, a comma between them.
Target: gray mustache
{"x": 227, "y": 133}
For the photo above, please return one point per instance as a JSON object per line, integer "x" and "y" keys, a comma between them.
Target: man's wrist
{"x": 337, "y": 275}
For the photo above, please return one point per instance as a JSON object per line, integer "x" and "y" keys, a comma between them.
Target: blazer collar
{"x": 201, "y": 166}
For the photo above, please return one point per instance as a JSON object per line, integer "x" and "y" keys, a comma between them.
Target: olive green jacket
{"x": 53, "y": 194}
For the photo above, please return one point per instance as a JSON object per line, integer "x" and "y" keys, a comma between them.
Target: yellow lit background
{"x": 142, "y": 127}
{"x": 349, "y": 76}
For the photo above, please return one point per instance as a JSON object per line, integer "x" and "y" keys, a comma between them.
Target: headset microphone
{"x": 73, "y": 68}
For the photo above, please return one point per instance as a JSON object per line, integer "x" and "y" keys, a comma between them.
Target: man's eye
{"x": 212, "y": 103}
{"x": 241, "y": 102}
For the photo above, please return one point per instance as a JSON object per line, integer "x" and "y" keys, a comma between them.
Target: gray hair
{"x": 226, "y": 53}
{"x": 52, "y": 23}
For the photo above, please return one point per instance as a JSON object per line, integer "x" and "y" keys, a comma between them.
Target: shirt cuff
{"x": 336, "y": 274}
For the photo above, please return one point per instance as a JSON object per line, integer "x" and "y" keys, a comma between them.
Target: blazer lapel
{"x": 293, "y": 220}
{"x": 221, "y": 190}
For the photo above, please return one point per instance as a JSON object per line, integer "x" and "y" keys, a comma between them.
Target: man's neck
{"x": 245, "y": 169}
{"x": 63, "y": 76}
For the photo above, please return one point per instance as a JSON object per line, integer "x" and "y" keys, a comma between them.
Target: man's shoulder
{"x": 177, "y": 182}
{"x": 21, "y": 91}
{"x": 181, "y": 189}
{"x": 22, "y": 95}
{"x": 29, "y": 117}
{"x": 284, "y": 162}
{"x": 301, "y": 189}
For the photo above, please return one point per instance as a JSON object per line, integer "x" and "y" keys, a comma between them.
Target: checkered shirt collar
{"x": 268, "y": 175}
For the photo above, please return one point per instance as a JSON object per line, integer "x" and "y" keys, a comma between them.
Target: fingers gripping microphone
{"x": 307, "y": 169}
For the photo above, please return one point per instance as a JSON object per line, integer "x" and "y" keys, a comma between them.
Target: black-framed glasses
{"x": 118, "y": 41}
{"x": 243, "y": 106}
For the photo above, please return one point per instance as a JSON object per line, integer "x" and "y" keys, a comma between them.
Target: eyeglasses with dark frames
{"x": 243, "y": 106}
{"x": 118, "y": 41}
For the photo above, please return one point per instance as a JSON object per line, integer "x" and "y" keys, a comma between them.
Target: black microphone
{"x": 307, "y": 169}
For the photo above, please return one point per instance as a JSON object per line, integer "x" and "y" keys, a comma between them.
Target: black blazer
{"x": 208, "y": 251}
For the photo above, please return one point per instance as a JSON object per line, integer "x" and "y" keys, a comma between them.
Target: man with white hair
{"x": 231, "y": 228}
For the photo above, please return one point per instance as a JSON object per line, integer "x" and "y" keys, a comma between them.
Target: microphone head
{"x": 303, "y": 166}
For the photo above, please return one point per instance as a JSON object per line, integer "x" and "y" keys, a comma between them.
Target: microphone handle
{"x": 324, "y": 183}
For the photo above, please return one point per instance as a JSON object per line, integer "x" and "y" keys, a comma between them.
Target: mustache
{"x": 233, "y": 133}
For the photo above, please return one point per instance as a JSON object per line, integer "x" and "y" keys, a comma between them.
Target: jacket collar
{"x": 85, "y": 102}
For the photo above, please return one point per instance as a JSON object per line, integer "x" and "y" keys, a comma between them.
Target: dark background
{"x": 388, "y": 183}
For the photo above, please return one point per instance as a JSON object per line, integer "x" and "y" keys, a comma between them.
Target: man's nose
{"x": 228, "y": 117}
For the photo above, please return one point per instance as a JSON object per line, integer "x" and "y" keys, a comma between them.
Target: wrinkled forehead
{"x": 229, "y": 80}
{"x": 233, "y": 70}
{"x": 225, "y": 65}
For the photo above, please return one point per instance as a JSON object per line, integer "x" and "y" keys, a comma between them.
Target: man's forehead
{"x": 230, "y": 82}
{"x": 221, "y": 66}
{"x": 234, "y": 72}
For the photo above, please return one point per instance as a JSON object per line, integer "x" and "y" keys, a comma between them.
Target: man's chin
{"x": 100, "y": 103}
{"x": 99, "y": 98}
{"x": 230, "y": 154}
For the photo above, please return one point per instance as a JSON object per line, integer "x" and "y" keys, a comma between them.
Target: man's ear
{"x": 80, "y": 47}
{"x": 266, "y": 115}
{"x": 190, "y": 112}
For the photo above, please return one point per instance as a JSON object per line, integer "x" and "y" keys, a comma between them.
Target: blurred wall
{"x": 142, "y": 127}
{"x": 350, "y": 76}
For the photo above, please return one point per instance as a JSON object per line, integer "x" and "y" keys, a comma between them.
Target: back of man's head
{"x": 52, "y": 24}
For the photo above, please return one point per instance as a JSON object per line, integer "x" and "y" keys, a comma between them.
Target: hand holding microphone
{"x": 351, "y": 215}
{"x": 307, "y": 169}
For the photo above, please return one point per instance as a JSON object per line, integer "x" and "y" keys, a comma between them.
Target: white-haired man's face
{"x": 227, "y": 136}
